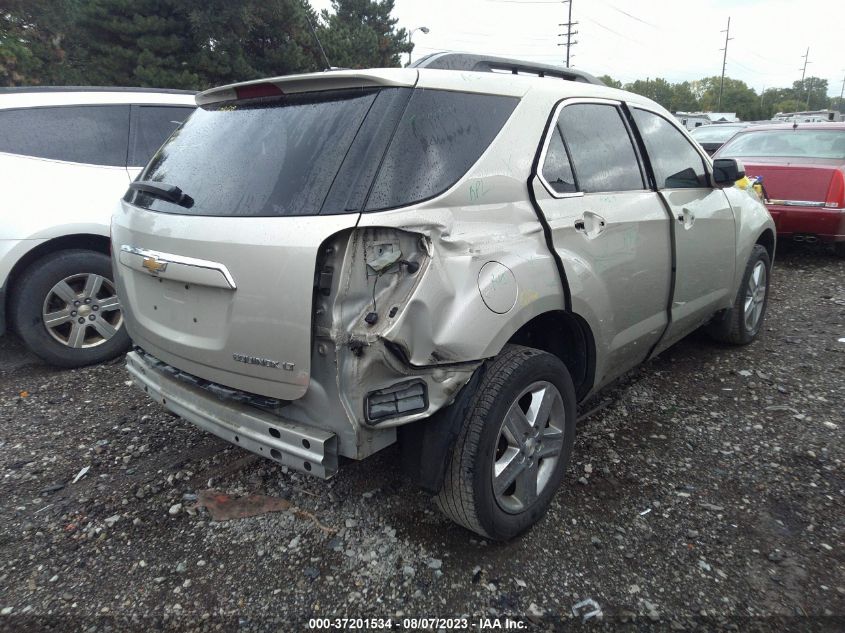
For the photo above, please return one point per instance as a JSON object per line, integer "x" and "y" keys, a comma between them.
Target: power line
{"x": 633, "y": 17}
{"x": 569, "y": 32}
{"x": 727, "y": 33}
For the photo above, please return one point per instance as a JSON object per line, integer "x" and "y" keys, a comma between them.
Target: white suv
{"x": 82, "y": 146}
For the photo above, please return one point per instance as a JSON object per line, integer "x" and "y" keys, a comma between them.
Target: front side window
{"x": 97, "y": 135}
{"x": 600, "y": 147}
{"x": 676, "y": 163}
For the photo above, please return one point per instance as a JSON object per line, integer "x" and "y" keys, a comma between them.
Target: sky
{"x": 678, "y": 40}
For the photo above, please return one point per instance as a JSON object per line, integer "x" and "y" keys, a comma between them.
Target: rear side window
{"x": 151, "y": 126}
{"x": 557, "y": 170}
{"x": 676, "y": 163}
{"x": 600, "y": 147}
{"x": 98, "y": 135}
{"x": 441, "y": 135}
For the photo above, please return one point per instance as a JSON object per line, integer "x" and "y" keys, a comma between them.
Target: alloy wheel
{"x": 529, "y": 446}
{"x": 755, "y": 297}
{"x": 82, "y": 311}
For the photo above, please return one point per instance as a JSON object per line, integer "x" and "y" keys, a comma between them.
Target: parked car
{"x": 712, "y": 137}
{"x": 66, "y": 156}
{"x": 320, "y": 265}
{"x": 803, "y": 170}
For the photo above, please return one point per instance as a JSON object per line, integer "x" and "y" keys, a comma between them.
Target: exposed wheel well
{"x": 767, "y": 241}
{"x": 87, "y": 241}
{"x": 567, "y": 336}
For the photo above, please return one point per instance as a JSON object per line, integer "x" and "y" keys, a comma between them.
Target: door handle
{"x": 590, "y": 224}
{"x": 687, "y": 217}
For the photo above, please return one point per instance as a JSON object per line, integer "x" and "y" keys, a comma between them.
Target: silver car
{"x": 450, "y": 256}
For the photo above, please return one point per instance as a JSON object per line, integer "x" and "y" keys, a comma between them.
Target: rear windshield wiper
{"x": 171, "y": 193}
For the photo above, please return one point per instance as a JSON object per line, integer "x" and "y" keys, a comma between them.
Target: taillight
{"x": 255, "y": 91}
{"x": 835, "y": 198}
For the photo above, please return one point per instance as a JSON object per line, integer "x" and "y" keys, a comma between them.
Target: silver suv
{"x": 450, "y": 256}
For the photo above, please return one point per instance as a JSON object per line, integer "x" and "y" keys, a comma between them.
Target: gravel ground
{"x": 707, "y": 494}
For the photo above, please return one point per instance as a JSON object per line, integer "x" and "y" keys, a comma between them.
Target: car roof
{"x": 486, "y": 82}
{"x": 40, "y": 96}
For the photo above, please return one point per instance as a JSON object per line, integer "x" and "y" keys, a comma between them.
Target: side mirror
{"x": 726, "y": 171}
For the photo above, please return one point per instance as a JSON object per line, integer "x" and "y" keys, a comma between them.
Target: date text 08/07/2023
{"x": 411, "y": 624}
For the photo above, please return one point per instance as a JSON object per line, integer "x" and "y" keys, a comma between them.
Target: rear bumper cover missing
{"x": 302, "y": 448}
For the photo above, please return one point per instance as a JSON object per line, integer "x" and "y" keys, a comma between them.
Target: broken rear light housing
{"x": 397, "y": 400}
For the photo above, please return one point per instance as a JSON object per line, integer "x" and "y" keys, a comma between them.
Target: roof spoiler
{"x": 489, "y": 64}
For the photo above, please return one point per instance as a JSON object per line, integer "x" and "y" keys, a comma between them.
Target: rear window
{"x": 793, "y": 143}
{"x": 330, "y": 152}
{"x": 98, "y": 135}
{"x": 714, "y": 133}
{"x": 151, "y": 126}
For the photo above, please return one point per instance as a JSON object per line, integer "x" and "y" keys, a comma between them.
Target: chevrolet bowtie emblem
{"x": 154, "y": 265}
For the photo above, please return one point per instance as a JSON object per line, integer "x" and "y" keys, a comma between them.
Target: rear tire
{"x": 742, "y": 323}
{"x": 839, "y": 249}
{"x": 514, "y": 446}
{"x": 65, "y": 309}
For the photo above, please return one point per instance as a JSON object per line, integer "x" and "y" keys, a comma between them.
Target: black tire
{"x": 839, "y": 249}
{"x": 31, "y": 291}
{"x": 467, "y": 496}
{"x": 730, "y": 326}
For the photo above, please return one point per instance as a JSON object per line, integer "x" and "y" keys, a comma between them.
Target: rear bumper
{"x": 827, "y": 224}
{"x": 300, "y": 447}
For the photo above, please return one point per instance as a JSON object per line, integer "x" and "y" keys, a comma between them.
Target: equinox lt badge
{"x": 264, "y": 362}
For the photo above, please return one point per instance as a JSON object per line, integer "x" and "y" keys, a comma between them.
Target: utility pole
{"x": 569, "y": 32}
{"x": 806, "y": 57}
{"x": 727, "y": 33}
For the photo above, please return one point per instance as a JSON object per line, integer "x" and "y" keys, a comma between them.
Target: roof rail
{"x": 20, "y": 89}
{"x": 490, "y": 64}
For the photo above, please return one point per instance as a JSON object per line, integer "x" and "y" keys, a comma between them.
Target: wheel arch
{"x": 567, "y": 336}
{"x": 84, "y": 241}
{"x": 767, "y": 241}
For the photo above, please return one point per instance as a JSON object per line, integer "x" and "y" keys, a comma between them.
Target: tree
{"x": 250, "y": 39}
{"x": 817, "y": 89}
{"x": 136, "y": 43}
{"x": 610, "y": 81}
{"x": 658, "y": 90}
{"x": 736, "y": 97}
{"x": 362, "y": 34}
{"x": 33, "y": 40}
{"x": 682, "y": 99}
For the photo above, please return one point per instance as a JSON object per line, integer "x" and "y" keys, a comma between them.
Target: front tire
{"x": 66, "y": 310}
{"x": 742, "y": 323}
{"x": 514, "y": 446}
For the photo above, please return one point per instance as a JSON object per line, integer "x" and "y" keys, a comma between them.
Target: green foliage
{"x": 658, "y": 90}
{"x": 817, "y": 89}
{"x": 33, "y": 39}
{"x": 362, "y": 34}
{"x": 610, "y": 81}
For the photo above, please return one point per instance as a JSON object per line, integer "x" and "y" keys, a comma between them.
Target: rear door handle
{"x": 687, "y": 217}
{"x": 590, "y": 224}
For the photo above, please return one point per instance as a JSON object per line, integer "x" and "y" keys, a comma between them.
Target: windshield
{"x": 715, "y": 133}
{"x": 793, "y": 143}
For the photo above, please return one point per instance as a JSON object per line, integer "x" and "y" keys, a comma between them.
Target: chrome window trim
{"x": 185, "y": 261}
